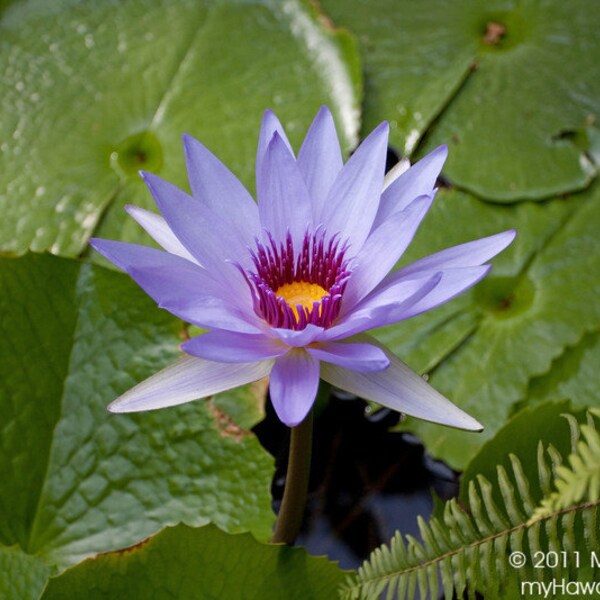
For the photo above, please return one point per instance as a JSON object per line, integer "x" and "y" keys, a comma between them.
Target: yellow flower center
{"x": 301, "y": 292}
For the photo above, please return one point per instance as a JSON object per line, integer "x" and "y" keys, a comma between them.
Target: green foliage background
{"x": 90, "y": 92}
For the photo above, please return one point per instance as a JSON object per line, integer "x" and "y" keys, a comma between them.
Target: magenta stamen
{"x": 317, "y": 262}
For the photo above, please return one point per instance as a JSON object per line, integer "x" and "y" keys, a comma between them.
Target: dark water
{"x": 366, "y": 482}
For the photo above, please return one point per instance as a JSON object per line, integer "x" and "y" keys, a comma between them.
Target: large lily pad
{"x": 511, "y": 86}
{"x": 573, "y": 375}
{"x": 77, "y": 480}
{"x": 91, "y": 92}
{"x": 201, "y": 563}
{"x": 482, "y": 349}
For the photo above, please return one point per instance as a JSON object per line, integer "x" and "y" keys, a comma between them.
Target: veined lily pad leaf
{"x": 92, "y": 92}
{"x": 77, "y": 480}
{"x": 482, "y": 349}
{"x": 182, "y": 563}
{"x": 23, "y": 576}
{"x": 511, "y": 86}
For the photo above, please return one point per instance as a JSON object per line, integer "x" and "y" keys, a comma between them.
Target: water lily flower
{"x": 288, "y": 286}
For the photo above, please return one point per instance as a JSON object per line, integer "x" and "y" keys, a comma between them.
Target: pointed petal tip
{"x": 380, "y": 132}
{"x": 152, "y": 180}
{"x": 471, "y": 424}
{"x": 485, "y": 271}
{"x": 146, "y": 177}
{"x": 187, "y": 137}
{"x": 117, "y": 407}
{"x": 439, "y": 156}
{"x": 324, "y": 112}
{"x": 122, "y": 406}
{"x": 502, "y": 240}
{"x": 149, "y": 179}
{"x": 456, "y": 418}
{"x": 187, "y": 140}
{"x": 324, "y": 119}
{"x": 383, "y": 128}
{"x": 190, "y": 143}
{"x": 93, "y": 242}
{"x": 436, "y": 158}
{"x": 376, "y": 140}
{"x": 268, "y": 115}
{"x": 101, "y": 245}
{"x": 442, "y": 150}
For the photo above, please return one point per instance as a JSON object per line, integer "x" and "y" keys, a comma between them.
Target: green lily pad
{"x": 574, "y": 376}
{"x": 23, "y": 576}
{"x": 190, "y": 563}
{"x": 92, "y": 92}
{"x": 482, "y": 349}
{"x": 77, "y": 480}
{"x": 242, "y": 407}
{"x": 511, "y": 86}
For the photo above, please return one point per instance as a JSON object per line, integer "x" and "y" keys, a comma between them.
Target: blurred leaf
{"x": 77, "y": 480}
{"x": 94, "y": 91}
{"x": 509, "y": 85}
{"x": 23, "y": 577}
{"x": 200, "y": 563}
{"x": 518, "y": 320}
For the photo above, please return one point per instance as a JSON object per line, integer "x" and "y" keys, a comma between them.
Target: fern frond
{"x": 464, "y": 552}
{"x": 581, "y": 479}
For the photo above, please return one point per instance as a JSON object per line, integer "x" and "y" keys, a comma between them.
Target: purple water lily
{"x": 288, "y": 286}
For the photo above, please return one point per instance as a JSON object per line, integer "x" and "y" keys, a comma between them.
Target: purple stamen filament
{"x": 291, "y": 290}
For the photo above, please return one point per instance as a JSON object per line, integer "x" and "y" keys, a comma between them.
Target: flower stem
{"x": 296, "y": 483}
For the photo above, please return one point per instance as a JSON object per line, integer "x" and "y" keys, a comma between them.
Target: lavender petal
{"x": 283, "y": 201}
{"x": 356, "y": 357}
{"x": 159, "y": 231}
{"x": 208, "y": 237}
{"x": 372, "y": 312}
{"x": 188, "y": 379}
{"x": 471, "y": 254}
{"x": 216, "y": 186}
{"x": 320, "y": 158}
{"x": 269, "y": 125}
{"x": 398, "y": 387}
{"x": 383, "y": 248}
{"x": 417, "y": 181}
{"x": 232, "y": 347}
{"x": 179, "y": 286}
{"x": 293, "y": 386}
{"x": 353, "y": 200}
